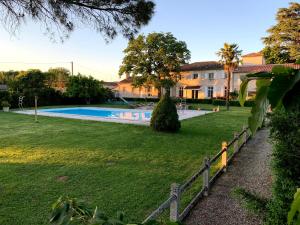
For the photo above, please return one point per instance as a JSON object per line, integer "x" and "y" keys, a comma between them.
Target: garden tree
{"x": 154, "y": 60}
{"x": 230, "y": 58}
{"x": 58, "y": 77}
{"x": 32, "y": 82}
{"x": 108, "y": 17}
{"x": 274, "y": 55}
{"x": 283, "y": 42}
{"x": 8, "y": 78}
{"x": 86, "y": 88}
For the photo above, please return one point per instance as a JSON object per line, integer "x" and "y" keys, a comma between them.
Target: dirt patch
{"x": 62, "y": 178}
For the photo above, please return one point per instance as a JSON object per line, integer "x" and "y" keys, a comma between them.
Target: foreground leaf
{"x": 293, "y": 218}
{"x": 261, "y": 104}
{"x": 280, "y": 86}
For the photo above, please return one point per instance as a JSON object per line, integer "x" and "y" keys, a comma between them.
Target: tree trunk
{"x": 168, "y": 91}
{"x": 228, "y": 88}
{"x": 159, "y": 92}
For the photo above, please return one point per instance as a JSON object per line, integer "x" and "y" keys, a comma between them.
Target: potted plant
{"x": 5, "y": 105}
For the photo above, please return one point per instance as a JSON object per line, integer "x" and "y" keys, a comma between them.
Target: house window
{"x": 181, "y": 92}
{"x": 211, "y": 76}
{"x": 195, "y": 76}
{"x": 195, "y": 94}
{"x": 210, "y": 92}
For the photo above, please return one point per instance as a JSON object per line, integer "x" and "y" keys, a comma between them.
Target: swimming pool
{"x": 125, "y": 114}
{"x": 130, "y": 116}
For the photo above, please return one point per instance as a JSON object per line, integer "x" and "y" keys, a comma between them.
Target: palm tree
{"x": 230, "y": 59}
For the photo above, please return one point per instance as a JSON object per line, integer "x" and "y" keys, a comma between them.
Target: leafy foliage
{"x": 230, "y": 58}
{"x": 274, "y": 55}
{"x": 260, "y": 107}
{"x": 285, "y": 134}
{"x": 50, "y": 88}
{"x": 84, "y": 87}
{"x": 276, "y": 88}
{"x": 67, "y": 211}
{"x": 164, "y": 116}
{"x": 108, "y": 17}
{"x": 294, "y": 213}
{"x": 5, "y": 104}
{"x": 282, "y": 44}
{"x": 58, "y": 77}
{"x": 154, "y": 60}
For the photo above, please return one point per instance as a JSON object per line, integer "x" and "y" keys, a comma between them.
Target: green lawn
{"x": 117, "y": 167}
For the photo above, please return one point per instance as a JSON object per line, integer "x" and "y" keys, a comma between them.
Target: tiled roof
{"x": 209, "y": 65}
{"x": 126, "y": 80}
{"x": 253, "y": 54}
{"x": 262, "y": 68}
{"x": 110, "y": 83}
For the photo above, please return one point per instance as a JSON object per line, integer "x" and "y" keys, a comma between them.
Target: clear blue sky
{"x": 203, "y": 24}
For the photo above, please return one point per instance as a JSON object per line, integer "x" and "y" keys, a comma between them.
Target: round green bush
{"x": 164, "y": 116}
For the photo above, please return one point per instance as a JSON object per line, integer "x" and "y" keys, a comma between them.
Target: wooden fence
{"x": 173, "y": 202}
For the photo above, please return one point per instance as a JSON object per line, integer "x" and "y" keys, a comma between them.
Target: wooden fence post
{"x": 224, "y": 156}
{"x": 174, "y": 205}
{"x": 236, "y": 143}
{"x": 244, "y": 135}
{"x": 35, "y": 108}
{"x": 206, "y": 176}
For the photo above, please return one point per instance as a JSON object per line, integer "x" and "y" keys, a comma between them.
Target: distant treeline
{"x": 54, "y": 87}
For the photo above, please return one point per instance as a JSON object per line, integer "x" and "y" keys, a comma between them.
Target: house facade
{"x": 204, "y": 80}
{"x": 200, "y": 80}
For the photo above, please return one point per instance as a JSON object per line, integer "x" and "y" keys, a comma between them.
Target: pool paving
{"x": 128, "y": 116}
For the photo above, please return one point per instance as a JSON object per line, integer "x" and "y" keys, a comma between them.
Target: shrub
{"x": 285, "y": 134}
{"x": 5, "y": 96}
{"x": 218, "y": 102}
{"x": 5, "y": 104}
{"x": 164, "y": 116}
{"x": 201, "y": 101}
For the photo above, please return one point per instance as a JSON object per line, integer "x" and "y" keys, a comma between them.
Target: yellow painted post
{"x": 224, "y": 155}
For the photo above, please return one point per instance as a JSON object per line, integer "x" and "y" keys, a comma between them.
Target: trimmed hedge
{"x": 164, "y": 116}
{"x": 221, "y": 102}
{"x": 48, "y": 97}
{"x": 285, "y": 134}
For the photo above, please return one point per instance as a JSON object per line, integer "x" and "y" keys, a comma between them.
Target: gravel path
{"x": 250, "y": 170}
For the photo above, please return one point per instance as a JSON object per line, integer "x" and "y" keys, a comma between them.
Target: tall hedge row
{"x": 285, "y": 133}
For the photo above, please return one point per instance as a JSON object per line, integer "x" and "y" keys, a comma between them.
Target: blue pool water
{"x": 104, "y": 113}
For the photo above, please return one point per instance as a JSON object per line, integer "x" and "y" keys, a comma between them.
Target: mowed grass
{"x": 117, "y": 167}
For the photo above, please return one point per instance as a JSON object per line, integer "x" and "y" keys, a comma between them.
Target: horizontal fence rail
{"x": 173, "y": 202}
